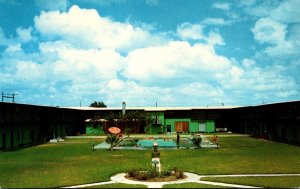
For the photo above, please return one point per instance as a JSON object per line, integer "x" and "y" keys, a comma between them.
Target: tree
{"x": 98, "y": 104}
{"x": 129, "y": 123}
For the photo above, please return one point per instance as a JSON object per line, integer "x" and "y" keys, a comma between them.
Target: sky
{"x": 147, "y": 52}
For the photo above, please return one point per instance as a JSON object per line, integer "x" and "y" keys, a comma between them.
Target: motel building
{"x": 23, "y": 125}
{"x": 163, "y": 120}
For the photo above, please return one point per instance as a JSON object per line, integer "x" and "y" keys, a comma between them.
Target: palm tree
{"x": 113, "y": 140}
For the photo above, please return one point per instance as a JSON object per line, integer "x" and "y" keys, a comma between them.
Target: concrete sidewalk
{"x": 191, "y": 177}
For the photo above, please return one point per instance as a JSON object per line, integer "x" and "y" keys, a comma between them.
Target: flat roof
{"x": 155, "y": 108}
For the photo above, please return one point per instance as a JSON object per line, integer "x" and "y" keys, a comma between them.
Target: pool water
{"x": 164, "y": 143}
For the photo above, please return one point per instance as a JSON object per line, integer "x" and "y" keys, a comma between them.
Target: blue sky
{"x": 173, "y": 52}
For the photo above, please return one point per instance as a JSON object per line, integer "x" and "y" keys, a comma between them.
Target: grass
{"x": 191, "y": 185}
{"x": 73, "y": 162}
{"x": 237, "y": 155}
{"x": 119, "y": 185}
{"x": 55, "y": 165}
{"x": 269, "y": 182}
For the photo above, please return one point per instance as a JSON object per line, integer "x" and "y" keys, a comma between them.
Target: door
{"x": 168, "y": 128}
{"x": 11, "y": 139}
{"x": 3, "y": 141}
{"x": 182, "y": 126}
{"x": 202, "y": 127}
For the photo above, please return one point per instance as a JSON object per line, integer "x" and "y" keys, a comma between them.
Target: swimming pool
{"x": 162, "y": 143}
{"x": 144, "y": 144}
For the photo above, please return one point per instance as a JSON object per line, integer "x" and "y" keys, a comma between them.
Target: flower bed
{"x": 152, "y": 175}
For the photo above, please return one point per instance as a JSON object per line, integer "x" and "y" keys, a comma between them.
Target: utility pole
{"x": 12, "y": 96}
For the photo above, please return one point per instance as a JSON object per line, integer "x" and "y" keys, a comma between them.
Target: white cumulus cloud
{"x": 287, "y": 12}
{"x": 24, "y": 34}
{"x": 172, "y": 60}
{"x": 190, "y": 31}
{"x": 86, "y": 28}
{"x": 82, "y": 65}
{"x": 222, "y": 6}
{"x": 215, "y": 21}
{"x": 283, "y": 40}
{"x": 267, "y": 30}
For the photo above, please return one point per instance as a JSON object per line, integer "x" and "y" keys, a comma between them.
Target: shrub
{"x": 142, "y": 175}
{"x": 178, "y": 173}
{"x": 151, "y": 173}
{"x": 128, "y": 142}
{"x": 197, "y": 140}
{"x": 134, "y": 172}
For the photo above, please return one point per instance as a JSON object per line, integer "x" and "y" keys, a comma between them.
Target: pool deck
{"x": 104, "y": 145}
{"x": 162, "y": 135}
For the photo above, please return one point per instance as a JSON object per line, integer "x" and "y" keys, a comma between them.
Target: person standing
{"x": 178, "y": 140}
{"x": 214, "y": 139}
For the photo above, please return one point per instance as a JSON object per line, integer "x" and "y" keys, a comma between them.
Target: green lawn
{"x": 73, "y": 162}
{"x": 269, "y": 182}
{"x": 119, "y": 185}
{"x": 191, "y": 185}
